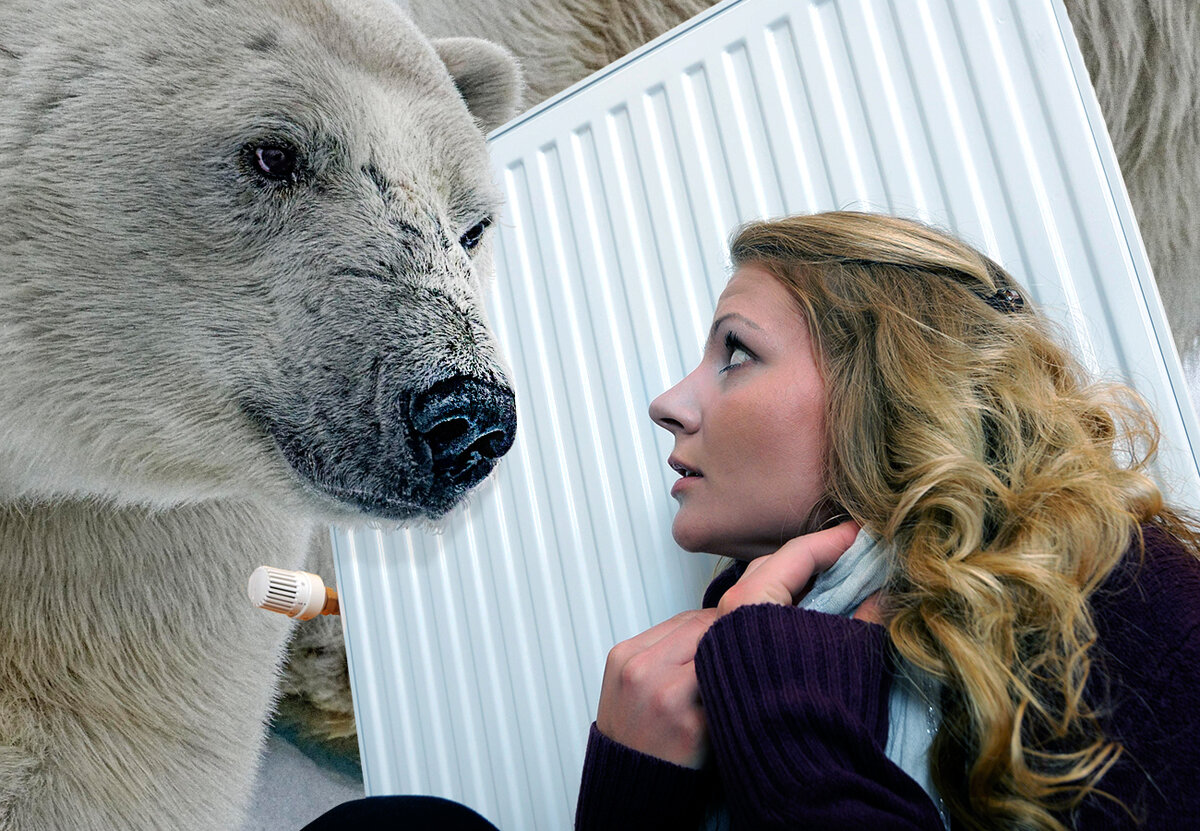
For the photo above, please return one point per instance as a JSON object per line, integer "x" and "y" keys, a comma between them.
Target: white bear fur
{"x": 155, "y": 293}
{"x": 1143, "y": 55}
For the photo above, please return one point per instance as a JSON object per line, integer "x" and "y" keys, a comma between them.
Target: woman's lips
{"x": 687, "y": 475}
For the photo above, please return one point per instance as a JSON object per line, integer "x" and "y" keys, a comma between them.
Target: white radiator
{"x": 476, "y": 655}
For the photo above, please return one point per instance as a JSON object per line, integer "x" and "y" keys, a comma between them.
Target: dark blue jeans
{"x": 404, "y": 813}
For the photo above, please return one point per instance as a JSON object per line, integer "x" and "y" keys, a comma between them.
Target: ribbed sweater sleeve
{"x": 796, "y": 703}
{"x": 626, "y": 790}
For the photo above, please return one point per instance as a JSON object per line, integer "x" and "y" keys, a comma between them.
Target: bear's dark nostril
{"x": 445, "y": 432}
{"x": 489, "y": 444}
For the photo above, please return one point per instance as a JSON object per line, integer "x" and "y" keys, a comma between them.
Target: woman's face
{"x": 749, "y": 425}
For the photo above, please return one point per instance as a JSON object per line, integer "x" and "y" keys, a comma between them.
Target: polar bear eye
{"x": 474, "y": 234}
{"x": 275, "y": 161}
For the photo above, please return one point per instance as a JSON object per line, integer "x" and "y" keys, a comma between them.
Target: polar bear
{"x": 243, "y": 249}
{"x": 1143, "y": 56}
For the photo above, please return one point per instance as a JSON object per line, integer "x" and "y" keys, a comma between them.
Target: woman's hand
{"x": 650, "y": 700}
{"x": 784, "y": 576}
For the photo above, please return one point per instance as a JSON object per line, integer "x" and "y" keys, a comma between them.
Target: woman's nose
{"x": 676, "y": 410}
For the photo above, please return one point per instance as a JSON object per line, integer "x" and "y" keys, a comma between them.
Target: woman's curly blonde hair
{"x": 1008, "y": 483}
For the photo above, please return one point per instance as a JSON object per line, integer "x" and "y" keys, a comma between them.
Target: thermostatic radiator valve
{"x": 292, "y": 593}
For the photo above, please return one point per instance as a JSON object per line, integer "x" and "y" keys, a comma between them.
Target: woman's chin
{"x": 705, "y": 541}
{"x": 688, "y": 537}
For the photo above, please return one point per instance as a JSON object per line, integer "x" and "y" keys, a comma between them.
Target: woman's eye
{"x": 474, "y": 234}
{"x": 736, "y": 358}
{"x": 276, "y": 162}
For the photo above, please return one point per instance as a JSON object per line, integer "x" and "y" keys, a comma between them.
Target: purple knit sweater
{"x": 797, "y": 706}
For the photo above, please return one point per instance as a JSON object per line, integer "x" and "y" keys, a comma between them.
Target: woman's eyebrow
{"x": 712, "y": 333}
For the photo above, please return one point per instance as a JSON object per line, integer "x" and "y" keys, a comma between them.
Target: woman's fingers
{"x": 650, "y": 699}
{"x": 671, "y": 643}
{"x": 781, "y": 577}
{"x": 679, "y": 647}
{"x": 645, "y": 640}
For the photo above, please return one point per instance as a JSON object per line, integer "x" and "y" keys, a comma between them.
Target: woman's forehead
{"x": 753, "y": 288}
{"x": 748, "y": 279}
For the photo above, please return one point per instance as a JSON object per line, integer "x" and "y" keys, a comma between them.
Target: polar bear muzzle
{"x": 418, "y": 456}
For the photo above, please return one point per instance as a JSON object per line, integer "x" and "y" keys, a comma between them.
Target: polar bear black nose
{"x": 466, "y": 424}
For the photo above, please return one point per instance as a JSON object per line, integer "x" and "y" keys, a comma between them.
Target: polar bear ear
{"x": 487, "y": 77}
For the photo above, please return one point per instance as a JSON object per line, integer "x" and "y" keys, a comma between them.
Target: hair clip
{"x": 1006, "y": 300}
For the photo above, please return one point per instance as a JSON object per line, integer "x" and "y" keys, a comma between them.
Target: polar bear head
{"x": 244, "y": 250}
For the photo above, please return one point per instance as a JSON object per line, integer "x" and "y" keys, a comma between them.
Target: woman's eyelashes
{"x": 736, "y": 352}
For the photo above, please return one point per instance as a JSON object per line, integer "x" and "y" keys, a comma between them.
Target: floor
{"x": 299, "y": 781}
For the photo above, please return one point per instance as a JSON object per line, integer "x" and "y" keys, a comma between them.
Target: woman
{"x": 1040, "y": 605}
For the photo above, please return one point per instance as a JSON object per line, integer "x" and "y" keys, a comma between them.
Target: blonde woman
{"x": 957, "y": 599}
